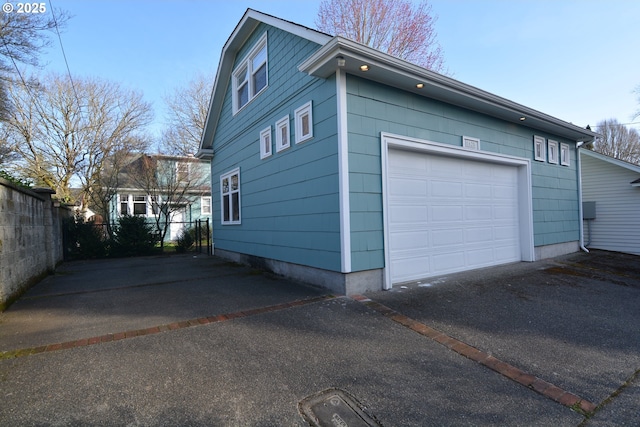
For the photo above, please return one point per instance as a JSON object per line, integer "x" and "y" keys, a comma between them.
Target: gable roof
{"x": 616, "y": 162}
{"x": 383, "y": 68}
{"x": 250, "y": 20}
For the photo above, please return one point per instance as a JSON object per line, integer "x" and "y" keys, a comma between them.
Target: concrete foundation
{"x": 337, "y": 282}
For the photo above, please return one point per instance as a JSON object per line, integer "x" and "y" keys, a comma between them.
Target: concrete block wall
{"x": 30, "y": 238}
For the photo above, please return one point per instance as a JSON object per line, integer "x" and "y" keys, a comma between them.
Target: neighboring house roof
{"x": 128, "y": 182}
{"x": 383, "y": 68}
{"x": 620, "y": 163}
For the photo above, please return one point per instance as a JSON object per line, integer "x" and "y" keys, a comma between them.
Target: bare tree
{"x": 64, "y": 130}
{"x": 396, "y": 27}
{"x": 187, "y": 112}
{"x": 637, "y": 113}
{"x": 23, "y": 36}
{"x": 170, "y": 182}
{"x": 618, "y": 141}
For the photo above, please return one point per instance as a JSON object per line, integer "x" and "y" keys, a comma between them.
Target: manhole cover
{"x": 335, "y": 408}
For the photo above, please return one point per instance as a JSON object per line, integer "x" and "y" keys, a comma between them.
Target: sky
{"x": 576, "y": 60}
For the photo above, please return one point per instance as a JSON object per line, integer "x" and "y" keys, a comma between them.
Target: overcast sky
{"x": 576, "y": 60}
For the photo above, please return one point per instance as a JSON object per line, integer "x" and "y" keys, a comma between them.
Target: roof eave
{"x": 395, "y": 72}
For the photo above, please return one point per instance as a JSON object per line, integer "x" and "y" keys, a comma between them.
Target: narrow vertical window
{"x": 304, "y": 123}
{"x": 552, "y": 147}
{"x": 155, "y": 204}
{"x": 265, "y": 143}
{"x": 251, "y": 75}
{"x": 539, "y": 149}
{"x": 183, "y": 171}
{"x": 205, "y": 205}
{"x": 259, "y": 69}
{"x": 124, "y": 204}
{"x": 282, "y": 134}
{"x": 565, "y": 155}
{"x": 230, "y": 194}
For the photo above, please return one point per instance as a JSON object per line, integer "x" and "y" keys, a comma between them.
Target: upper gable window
{"x": 250, "y": 77}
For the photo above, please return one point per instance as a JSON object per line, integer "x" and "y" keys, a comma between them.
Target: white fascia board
{"x": 392, "y": 71}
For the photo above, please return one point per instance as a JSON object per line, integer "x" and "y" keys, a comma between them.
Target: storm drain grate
{"x": 335, "y": 408}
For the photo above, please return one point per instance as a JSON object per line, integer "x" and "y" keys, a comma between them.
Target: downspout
{"x": 578, "y": 145}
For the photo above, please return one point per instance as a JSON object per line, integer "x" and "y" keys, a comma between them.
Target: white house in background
{"x": 614, "y": 186}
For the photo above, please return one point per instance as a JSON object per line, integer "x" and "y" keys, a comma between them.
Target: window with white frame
{"x": 565, "y": 155}
{"x": 183, "y": 170}
{"x": 140, "y": 205}
{"x": 250, "y": 76}
{"x": 552, "y": 148}
{"x": 230, "y": 195}
{"x": 265, "y": 143}
{"x": 282, "y": 134}
{"x": 205, "y": 205}
{"x": 304, "y": 123}
{"x": 539, "y": 149}
{"x": 124, "y": 204}
{"x": 471, "y": 143}
{"x": 155, "y": 204}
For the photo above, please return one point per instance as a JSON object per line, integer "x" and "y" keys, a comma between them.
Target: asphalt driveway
{"x": 195, "y": 340}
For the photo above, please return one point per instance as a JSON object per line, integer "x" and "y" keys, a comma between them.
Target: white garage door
{"x": 449, "y": 214}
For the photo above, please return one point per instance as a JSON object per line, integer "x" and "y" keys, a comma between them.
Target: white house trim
{"x": 403, "y": 75}
{"x": 525, "y": 200}
{"x": 343, "y": 172}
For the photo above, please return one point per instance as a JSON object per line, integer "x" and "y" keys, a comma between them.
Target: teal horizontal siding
{"x": 374, "y": 108}
{"x": 289, "y": 201}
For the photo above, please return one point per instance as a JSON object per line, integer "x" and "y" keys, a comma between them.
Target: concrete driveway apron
{"x": 198, "y": 341}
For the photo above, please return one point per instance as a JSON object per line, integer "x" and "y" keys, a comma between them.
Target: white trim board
{"x": 343, "y": 171}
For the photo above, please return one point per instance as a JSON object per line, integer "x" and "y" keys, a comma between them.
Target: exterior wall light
{"x": 341, "y": 61}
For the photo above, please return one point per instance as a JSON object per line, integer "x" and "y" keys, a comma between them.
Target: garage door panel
{"x": 480, "y": 257}
{"x": 477, "y": 191}
{"x": 447, "y": 237}
{"x": 444, "y": 188}
{"x": 411, "y": 268}
{"x": 478, "y": 213}
{"x": 407, "y": 214}
{"x": 443, "y": 213}
{"x": 448, "y": 261}
{"x": 403, "y": 186}
{"x": 468, "y": 217}
{"x": 410, "y": 240}
{"x": 477, "y": 234}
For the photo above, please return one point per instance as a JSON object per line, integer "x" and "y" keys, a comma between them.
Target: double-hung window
{"x": 250, "y": 77}
{"x": 140, "y": 205}
{"x": 230, "y": 194}
{"x": 205, "y": 205}
{"x": 124, "y": 204}
{"x": 183, "y": 170}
